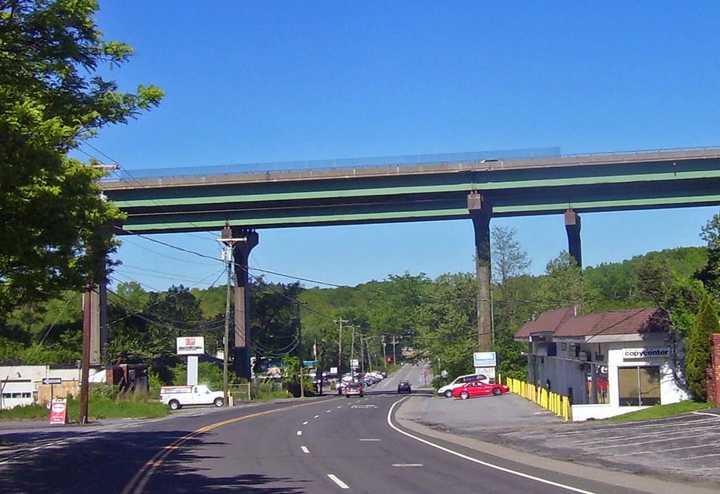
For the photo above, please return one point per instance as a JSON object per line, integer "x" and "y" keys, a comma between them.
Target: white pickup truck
{"x": 178, "y": 396}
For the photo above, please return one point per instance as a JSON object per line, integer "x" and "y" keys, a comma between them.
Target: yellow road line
{"x": 140, "y": 479}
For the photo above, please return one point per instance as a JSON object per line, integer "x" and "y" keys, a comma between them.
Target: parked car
{"x": 178, "y": 396}
{"x": 354, "y": 389}
{"x": 459, "y": 381}
{"x": 478, "y": 388}
{"x": 404, "y": 387}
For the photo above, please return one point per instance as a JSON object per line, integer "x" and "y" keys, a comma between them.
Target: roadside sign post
{"x": 485, "y": 363}
{"x": 192, "y": 346}
{"x": 58, "y": 411}
{"x": 52, "y": 381}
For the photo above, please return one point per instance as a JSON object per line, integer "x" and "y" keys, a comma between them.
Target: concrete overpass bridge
{"x": 462, "y": 188}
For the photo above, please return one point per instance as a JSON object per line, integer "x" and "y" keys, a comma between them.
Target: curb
{"x": 638, "y": 481}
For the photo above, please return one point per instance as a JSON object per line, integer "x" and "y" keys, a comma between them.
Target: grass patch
{"x": 99, "y": 408}
{"x": 29, "y": 412}
{"x": 661, "y": 411}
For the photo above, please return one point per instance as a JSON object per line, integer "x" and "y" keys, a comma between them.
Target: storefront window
{"x": 639, "y": 386}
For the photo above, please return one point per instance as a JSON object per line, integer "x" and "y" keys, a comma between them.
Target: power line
{"x": 128, "y": 174}
{"x": 200, "y": 254}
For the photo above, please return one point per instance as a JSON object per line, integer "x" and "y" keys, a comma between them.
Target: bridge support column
{"x": 481, "y": 213}
{"x": 572, "y": 227}
{"x": 241, "y": 255}
{"x": 98, "y": 317}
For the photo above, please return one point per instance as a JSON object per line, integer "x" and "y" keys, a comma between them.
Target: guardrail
{"x": 554, "y": 402}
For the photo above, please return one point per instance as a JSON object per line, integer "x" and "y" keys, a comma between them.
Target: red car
{"x": 479, "y": 389}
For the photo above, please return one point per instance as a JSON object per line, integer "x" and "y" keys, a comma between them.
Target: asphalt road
{"x": 318, "y": 446}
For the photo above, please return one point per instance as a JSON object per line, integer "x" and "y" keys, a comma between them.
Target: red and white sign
{"x": 191, "y": 345}
{"x": 58, "y": 411}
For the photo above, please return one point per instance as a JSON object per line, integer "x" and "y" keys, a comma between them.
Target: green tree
{"x": 512, "y": 303}
{"x": 52, "y": 98}
{"x": 709, "y": 275}
{"x": 697, "y": 358}
{"x": 563, "y": 285}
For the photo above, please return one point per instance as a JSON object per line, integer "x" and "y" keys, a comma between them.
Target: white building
{"x": 20, "y": 383}
{"x": 608, "y": 363}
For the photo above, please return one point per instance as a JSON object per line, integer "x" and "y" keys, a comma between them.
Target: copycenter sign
{"x": 645, "y": 353}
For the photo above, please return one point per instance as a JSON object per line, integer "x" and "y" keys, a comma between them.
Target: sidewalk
{"x": 686, "y": 447}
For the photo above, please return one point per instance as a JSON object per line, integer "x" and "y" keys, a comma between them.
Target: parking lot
{"x": 687, "y": 445}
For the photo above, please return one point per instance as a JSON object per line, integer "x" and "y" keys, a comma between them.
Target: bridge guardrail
{"x": 549, "y": 400}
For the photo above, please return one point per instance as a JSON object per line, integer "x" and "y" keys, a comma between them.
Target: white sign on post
{"x": 333, "y": 370}
{"x": 484, "y": 359}
{"x": 488, "y": 372}
{"x": 354, "y": 363}
{"x": 191, "y": 345}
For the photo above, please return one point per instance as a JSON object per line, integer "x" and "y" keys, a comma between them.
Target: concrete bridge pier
{"x": 98, "y": 314}
{"x": 572, "y": 227}
{"x": 481, "y": 213}
{"x": 241, "y": 255}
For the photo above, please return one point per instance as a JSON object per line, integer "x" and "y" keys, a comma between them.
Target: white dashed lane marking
{"x": 338, "y": 482}
{"x": 299, "y": 433}
{"x": 304, "y": 449}
{"x": 305, "y": 423}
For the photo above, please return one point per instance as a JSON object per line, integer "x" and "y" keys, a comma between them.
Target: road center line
{"x": 142, "y": 476}
{"x": 338, "y": 482}
{"x": 475, "y": 460}
{"x": 304, "y": 449}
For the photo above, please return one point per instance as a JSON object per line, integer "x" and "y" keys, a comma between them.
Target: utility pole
{"x": 300, "y": 355}
{"x": 340, "y": 322}
{"x": 394, "y": 342}
{"x": 362, "y": 355}
{"x": 228, "y": 242}
{"x": 382, "y": 339}
{"x": 85, "y": 373}
{"x": 226, "y": 337}
{"x": 98, "y": 277}
{"x": 352, "y": 350}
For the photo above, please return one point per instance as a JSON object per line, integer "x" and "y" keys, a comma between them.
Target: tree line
{"x": 433, "y": 319}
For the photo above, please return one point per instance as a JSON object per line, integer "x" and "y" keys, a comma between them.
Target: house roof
{"x": 634, "y": 321}
{"x": 547, "y": 322}
{"x": 563, "y": 323}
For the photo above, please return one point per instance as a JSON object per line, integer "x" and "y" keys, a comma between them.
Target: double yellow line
{"x": 141, "y": 478}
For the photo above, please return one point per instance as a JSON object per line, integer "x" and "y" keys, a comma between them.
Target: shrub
{"x": 697, "y": 358}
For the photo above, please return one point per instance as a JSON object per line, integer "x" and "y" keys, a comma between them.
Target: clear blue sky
{"x": 275, "y": 81}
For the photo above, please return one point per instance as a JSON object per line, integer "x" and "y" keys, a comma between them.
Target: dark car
{"x": 404, "y": 387}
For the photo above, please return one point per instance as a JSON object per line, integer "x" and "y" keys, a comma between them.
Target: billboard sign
{"x": 191, "y": 345}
